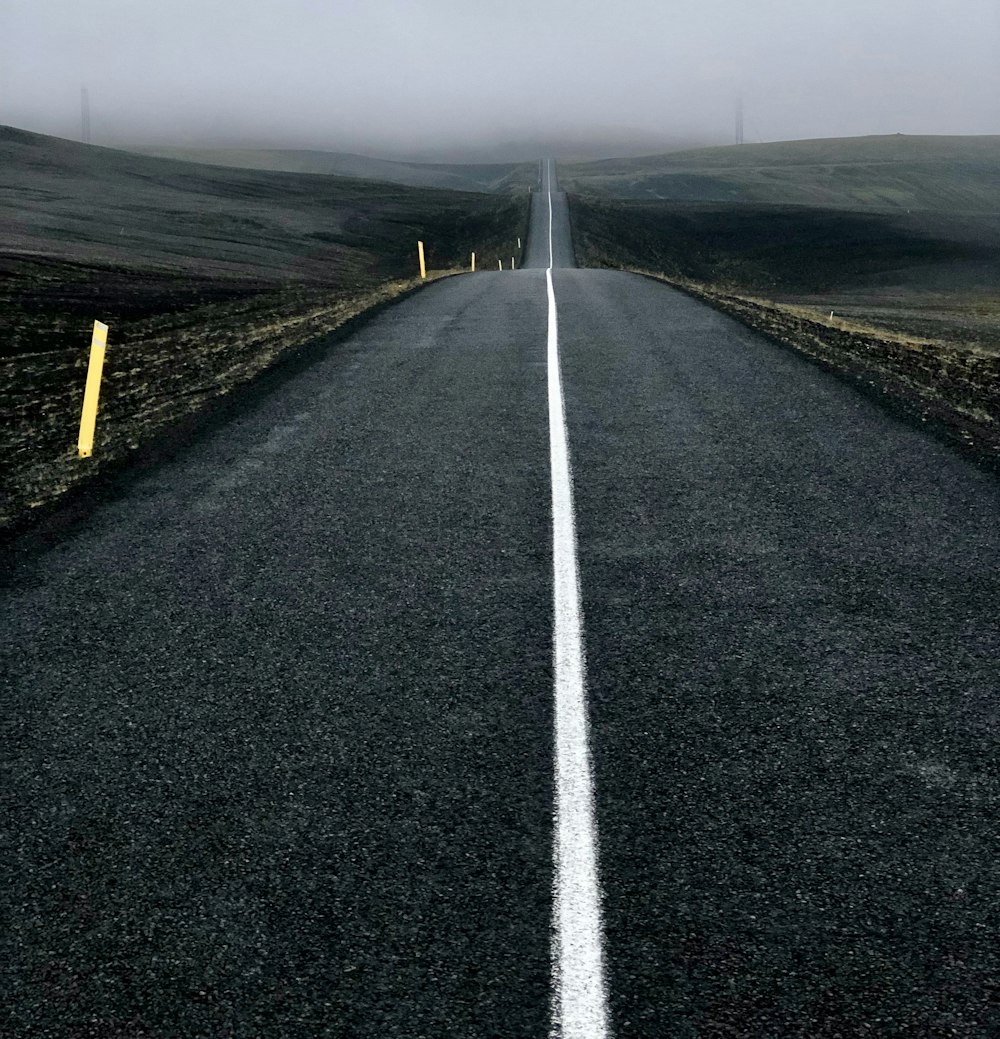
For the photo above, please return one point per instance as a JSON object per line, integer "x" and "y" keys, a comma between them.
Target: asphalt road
{"x": 277, "y": 720}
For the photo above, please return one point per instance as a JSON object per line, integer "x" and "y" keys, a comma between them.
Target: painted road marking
{"x": 579, "y": 1009}
{"x": 549, "y": 170}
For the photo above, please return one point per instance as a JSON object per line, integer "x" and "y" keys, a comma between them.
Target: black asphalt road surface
{"x": 277, "y": 749}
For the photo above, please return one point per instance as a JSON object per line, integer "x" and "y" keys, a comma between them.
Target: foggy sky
{"x": 396, "y": 77}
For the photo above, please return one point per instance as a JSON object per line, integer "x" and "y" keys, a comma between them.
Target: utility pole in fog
{"x": 739, "y": 119}
{"x": 85, "y": 115}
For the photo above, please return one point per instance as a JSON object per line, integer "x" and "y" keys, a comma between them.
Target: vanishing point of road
{"x": 552, "y": 656}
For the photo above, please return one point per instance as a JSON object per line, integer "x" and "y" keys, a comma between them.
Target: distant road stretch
{"x": 555, "y": 656}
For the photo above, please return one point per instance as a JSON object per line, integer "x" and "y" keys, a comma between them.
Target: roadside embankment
{"x": 206, "y": 276}
{"x": 929, "y": 355}
{"x": 169, "y": 368}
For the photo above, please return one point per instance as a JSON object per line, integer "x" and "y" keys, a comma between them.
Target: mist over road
{"x": 278, "y": 719}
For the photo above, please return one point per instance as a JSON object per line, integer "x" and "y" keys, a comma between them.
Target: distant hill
{"x": 80, "y": 202}
{"x": 493, "y": 177}
{"x": 206, "y": 276}
{"x": 596, "y": 144}
{"x": 945, "y": 174}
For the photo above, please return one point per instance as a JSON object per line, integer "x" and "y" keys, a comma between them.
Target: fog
{"x": 501, "y": 79}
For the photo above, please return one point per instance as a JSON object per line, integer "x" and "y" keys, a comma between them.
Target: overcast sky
{"x": 392, "y": 76}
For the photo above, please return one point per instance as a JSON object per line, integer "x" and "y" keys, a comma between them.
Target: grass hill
{"x": 206, "y": 276}
{"x": 75, "y": 202}
{"x": 877, "y": 256}
{"x": 492, "y": 177}
{"x": 944, "y": 174}
{"x": 861, "y": 224}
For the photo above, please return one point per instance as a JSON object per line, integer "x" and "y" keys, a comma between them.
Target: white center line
{"x": 579, "y": 1009}
{"x": 550, "y": 216}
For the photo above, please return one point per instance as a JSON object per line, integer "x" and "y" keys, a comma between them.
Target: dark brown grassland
{"x": 898, "y": 238}
{"x": 206, "y": 276}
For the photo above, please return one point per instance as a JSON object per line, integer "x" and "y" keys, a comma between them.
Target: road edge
{"x": 974, "y": 441}
{"x": 42, "y": 527}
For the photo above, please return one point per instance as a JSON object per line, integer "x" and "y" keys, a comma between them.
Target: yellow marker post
{"x": 500, "y": 264}
{"x": 519, "y": 243}
{"x": 512, "y": 263}
{"x": 473, "y": 263}
{"x": 423, "y": 268}
{"x": 88, "y": 420}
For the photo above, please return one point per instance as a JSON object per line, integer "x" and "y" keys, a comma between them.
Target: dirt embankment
{"x": 835, "y": 303}
{"x": 206, "y": 277}
{"x": 955, "y": 387}
{"x": 158, "y": 371}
